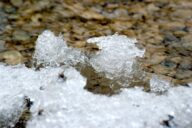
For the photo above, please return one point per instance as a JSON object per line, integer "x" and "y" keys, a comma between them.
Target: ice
{"x": 158, "y": 85}
{"x": 52, "y": 50}
{"x": 66, "y": 104}
{"x": 117, "y": 56}
{"x": 11, "y": 107}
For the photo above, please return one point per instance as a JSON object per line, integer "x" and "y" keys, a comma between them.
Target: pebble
{"x": 186, "y": 64}
{"x": 182, "y": 13}
{"x": 176, "y": 59}
{"x": 80, "y": 44}
{"x": 11, "y": 57}
{"x": 2, "y": 45}
{"x": 187, "y": 42}
{"x": 183, "y": 74}
{"x": 169, "y": 64}
{"x": 156, "y": 59}
{"x": 20, "y": 35}
{"x": 16, "y": 3}
{"x": 160, "y": 69}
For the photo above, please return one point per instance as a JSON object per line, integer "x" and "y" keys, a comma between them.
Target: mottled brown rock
{"x": 11, "y": 57}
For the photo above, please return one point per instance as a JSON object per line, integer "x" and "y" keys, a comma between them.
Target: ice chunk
{"x": 117, "y": 56}
{"x": 158, "y": 85}
{"x": 52, "y": 50}
{"x": 11, "y": 107}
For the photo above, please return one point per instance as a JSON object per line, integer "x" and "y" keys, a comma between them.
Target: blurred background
{"x": 162, "y": 27}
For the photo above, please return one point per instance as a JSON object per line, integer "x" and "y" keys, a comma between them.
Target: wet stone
{"x": 168, "y": 64}
{"x": 170, "y": 38}
{"x": 9, "y": 9}
{"x": 19, "y": 35}
{"x": 182, "y": 74}
{"x": 17, "y": 3}
{"x": 2, "y": 45}
{"x": 186, "y": 64}
{"x": 3, "y": 21}
{"x": 11, "y": 57}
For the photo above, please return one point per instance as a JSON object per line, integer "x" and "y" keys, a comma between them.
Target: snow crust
{"x": 62, "y": 102}
{"x": 117, "y": 56}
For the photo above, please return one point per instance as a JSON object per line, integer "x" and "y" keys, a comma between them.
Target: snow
{"x": 117, "y": 56}
{"x": 64, "y": 103}
{"x": 53, "y": 51}
{"x": 11, "y": 107}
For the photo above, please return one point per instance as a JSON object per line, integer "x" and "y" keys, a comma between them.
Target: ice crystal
{"x": 158, "y": 85}
{"x": 52, "y": 50}
{"x": 117, "y": 56}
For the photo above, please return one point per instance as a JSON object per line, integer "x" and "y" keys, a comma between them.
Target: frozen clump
{"x": 52, "y": 50}
{"x": 117, "y": 56}
{"x": 10, "y": 110}
{"x": 158, "y": 85}
{"x": 11, "y": 106}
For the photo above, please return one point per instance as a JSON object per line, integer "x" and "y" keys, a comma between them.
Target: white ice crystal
{"x": 52, "y": 50}
{"x": 158, "y": 85}
{"x": 117, "y": 56}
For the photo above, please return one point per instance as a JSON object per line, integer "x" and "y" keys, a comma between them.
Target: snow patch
{"x": 66, "y": 104}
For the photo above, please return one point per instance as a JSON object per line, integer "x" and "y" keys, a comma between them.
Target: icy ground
{"x": 64, "y": 103}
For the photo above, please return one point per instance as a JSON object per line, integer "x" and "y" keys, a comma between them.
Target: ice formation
{"x": 11, "y": 106}
{"x": 52, "y": 50}
{"x": 64, "y": 103}
{"x": 158, "y": 85}
{"x": 117, "y": 56}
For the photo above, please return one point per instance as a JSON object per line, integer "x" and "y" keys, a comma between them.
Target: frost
{"x": 158, "y": 85}
{"x": 117, "y": 56}
{"x": 52, "y": 50}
